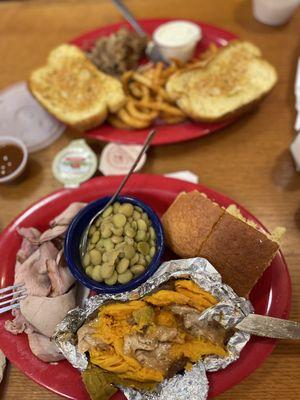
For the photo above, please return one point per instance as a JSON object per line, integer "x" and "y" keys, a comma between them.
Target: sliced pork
{"x": 43, "y": 348}
{"x": 44, "y": 313}
{"x": 60, "y": 276}
{"x": 29, "y": 243}
{"x": 66, "y": 216}
{"x": 33, "y": 272}
{"x": 40, "y": 266}
{"x": 19, "y": 324}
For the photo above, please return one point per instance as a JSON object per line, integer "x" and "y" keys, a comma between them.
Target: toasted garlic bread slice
{"x": 72, "y": 89}
{"x": 235, "y": 79}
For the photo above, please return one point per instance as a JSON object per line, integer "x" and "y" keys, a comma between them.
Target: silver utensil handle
{"x": 270, "y": 327}
{"x": 126, "y": 177}
{"x": 129, "y": 17}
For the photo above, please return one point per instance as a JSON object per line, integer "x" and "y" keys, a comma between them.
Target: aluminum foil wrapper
{"x": 190, "y": 385}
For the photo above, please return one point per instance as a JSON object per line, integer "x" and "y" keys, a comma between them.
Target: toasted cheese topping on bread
{"x": 72, "y": 89}
{"x": 230, "y": 83}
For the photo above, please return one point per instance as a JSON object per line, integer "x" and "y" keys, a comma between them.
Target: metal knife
{"x": 270, "y": 327}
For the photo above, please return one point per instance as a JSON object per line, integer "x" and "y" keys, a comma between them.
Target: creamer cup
{"x": 117, "y": 159}
{"x": 75, "y": 164}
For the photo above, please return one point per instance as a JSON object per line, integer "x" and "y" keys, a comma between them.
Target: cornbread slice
{"x": 239, "y": 252}
{"x": 72, "y": 89}
{"x": 196, "y": 226}
{"x": 230, "y": 84}
{"x": 188, "y": 222}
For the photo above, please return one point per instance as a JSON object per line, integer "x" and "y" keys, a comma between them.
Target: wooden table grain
{"x": 249, "y": 161}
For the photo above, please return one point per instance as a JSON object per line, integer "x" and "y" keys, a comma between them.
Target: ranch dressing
{"x": 177, "y": 33}
{"x": 177, "y": 39}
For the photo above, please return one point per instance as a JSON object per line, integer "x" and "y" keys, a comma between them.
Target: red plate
{"x": 271, "y": 296}
{"x": 165, "y": 133}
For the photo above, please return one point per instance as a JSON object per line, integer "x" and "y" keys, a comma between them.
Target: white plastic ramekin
{"x": 177, "y": 39}
{"x": 17, "y": 142}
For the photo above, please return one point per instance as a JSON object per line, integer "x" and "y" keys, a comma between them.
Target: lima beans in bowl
{"x": 124, "y": 247}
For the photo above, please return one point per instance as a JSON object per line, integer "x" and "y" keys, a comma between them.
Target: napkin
{"x": 295, "y": 146}
{"x": 184, "y": 176}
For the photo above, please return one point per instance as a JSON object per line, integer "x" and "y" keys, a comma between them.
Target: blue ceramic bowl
{"x": 74, "y": 234}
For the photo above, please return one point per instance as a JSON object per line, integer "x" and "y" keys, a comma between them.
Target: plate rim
{"x": 268, "y": 344}
{"x": 159, "y": 140}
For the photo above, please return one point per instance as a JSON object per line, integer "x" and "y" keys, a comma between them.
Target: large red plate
{"x": 271, "y": 296}
{"x": 165, "y": 133}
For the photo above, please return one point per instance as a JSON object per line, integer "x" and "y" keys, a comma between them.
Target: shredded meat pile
{"x": 118, "y": 52}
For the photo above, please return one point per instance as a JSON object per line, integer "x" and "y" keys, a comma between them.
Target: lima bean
{"x": 107, "y": 270}
{"x": 86, "y": 260}
{"x": 117, "y": 239}
{"x": 106, "y": 231}
{"x": 129, "y": 241}
{"x": 116, "y": 206}
{"x": 136, "y": 215}
{"x": 143, "y": 247}
{"x": 129, "y": 232}
{"x": 97, "y": 274}
{"x": 119, "y": 220}
{"x": 98, "y": 222}
{"x": 142, "y": 226}
{"x": 95, "y": 237}
{"x": 92, "y": 230}
{"x": 122, "y": 265}
{"x": 126, "y": 209}
{"x": 134, "y": 259}
{"x": 89, "y": 271}
{"x": 137, "y": 269}
{"x": 107, "y": 212}
{"x": 145, "y": 217}
{"x": 117, "y": 231}
{"x": 129, "y": 251}
{"x": 152, "y": 233}
{"x": 152, "y": 251}
{"x": 108, "y": 244}
{"x": 140, "y": 236}
{"x": 125, "y": 277}
{"x": 112, "y": 280}
{"x": 95, "y": 257}
{"x": 142, "y": 260}
{"x": 134, "y": 225}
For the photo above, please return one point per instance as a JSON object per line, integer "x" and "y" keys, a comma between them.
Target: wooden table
{"x": 249, "y": 161}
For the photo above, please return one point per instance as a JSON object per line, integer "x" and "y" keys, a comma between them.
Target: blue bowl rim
{"x": 134, "y": 283}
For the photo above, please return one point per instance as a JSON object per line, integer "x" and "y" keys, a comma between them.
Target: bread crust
{"x": 188, "y": 222}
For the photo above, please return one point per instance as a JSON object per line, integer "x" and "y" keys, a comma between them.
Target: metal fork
{"x": 11, "y": 296}
{"x": 152, "y": 50}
